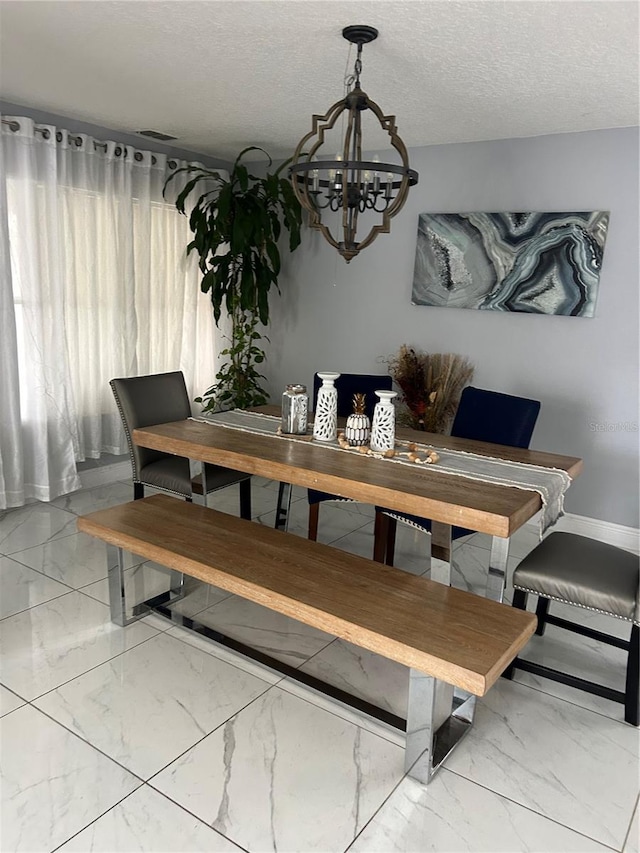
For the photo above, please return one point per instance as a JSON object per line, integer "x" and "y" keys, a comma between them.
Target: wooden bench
{"x": 456, "y": 644}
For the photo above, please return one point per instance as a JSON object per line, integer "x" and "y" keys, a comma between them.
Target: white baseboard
{"x": 604, "y": 531}
{"x": 105, "y": 474}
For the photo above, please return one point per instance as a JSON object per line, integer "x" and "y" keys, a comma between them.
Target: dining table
{"x": 424, "y": 490}
{"x": 252, "y": 442}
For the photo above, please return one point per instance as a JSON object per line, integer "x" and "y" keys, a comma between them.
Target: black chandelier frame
{"x": 351, "y": 184}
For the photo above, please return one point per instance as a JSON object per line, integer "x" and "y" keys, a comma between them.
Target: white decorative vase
{"x": 383, "y": 429}
{"x": 325, "y": 421}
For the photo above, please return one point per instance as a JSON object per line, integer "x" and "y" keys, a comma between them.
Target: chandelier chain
{"x": 358, "y": 66}
{"x": 354, "y": 77}
{"x": 349, "y": 77}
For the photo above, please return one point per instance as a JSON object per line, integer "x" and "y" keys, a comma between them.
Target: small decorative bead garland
{"x": 412, "y": 453}
{"x": 428, "y": 457}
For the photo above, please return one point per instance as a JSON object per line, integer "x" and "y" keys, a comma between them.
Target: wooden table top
{"x": 421, "y": 490}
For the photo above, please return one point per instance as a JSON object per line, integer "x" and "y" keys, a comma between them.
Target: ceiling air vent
{"x": 155, "y": 134}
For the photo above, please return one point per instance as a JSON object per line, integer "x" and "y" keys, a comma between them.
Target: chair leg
{"x": 138, "y": 491}
{"x": 391, "y": 542}
{"x": 245, "y": 499}
{"x": 542, "y": 611}
{"x": 380, "y": 531}
{"x": 632, "y": 689}
{"x": 314, "y": 515}
{"x": 519, "y": 599}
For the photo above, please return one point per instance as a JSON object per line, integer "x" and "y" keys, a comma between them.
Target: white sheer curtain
{"x": 95, "y": 284}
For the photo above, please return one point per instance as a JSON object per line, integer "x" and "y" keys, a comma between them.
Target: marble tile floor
{"x": 151, "y": 738}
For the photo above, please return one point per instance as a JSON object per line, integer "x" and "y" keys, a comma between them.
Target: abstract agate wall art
{"x": 538, "y": 263}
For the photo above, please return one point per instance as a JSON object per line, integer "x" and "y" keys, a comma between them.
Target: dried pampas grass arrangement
{"x": 431, "y": 385}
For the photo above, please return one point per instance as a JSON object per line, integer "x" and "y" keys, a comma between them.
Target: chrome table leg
{"x": 497, "y": 576}
{"x": 204, "y": 483}
{"x": 441, "y": 552}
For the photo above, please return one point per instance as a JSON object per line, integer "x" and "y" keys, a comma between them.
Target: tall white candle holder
{"x": 325, "y": 421}
{"x": 383, "y": 429}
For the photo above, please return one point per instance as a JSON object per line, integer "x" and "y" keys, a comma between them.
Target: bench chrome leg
{"x": 117, "y": 603}
{"x": 176, "y": 586}
{"x": 497, "y": 568}
{"x": 117, "y": 598}
{"x": 438, "y": 717}
{"x": 441, "y": 553}
{"x": 283, "y": 507}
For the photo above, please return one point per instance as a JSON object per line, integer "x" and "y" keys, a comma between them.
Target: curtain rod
{"x": 118, "y": 150}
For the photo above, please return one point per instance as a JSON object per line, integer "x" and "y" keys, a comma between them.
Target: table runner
{"x": 550, "y": 483}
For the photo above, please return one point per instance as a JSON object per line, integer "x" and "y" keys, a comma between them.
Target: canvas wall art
{"x": 538, "y": 263}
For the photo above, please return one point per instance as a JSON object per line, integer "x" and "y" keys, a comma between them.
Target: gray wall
{"x": 334, "y": 316}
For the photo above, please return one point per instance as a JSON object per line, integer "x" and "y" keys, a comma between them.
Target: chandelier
{"x": 346, "y": 185}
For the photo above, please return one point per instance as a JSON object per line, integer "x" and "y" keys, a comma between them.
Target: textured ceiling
{"x": 222, "y": 75}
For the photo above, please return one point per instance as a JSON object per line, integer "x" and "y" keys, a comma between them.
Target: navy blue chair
{"x": 347, "y": 385}
{"x": 483, "y": 416}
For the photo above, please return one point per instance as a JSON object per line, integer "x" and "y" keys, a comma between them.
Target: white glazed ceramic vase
{"x": 383, "y": 429}
{"x": 358, "y": 430}
{"x": 325, "y": 421}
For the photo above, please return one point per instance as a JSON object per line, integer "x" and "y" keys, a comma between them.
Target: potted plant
{"x": 236, "y": 224}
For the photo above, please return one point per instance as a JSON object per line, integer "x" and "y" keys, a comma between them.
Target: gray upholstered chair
{"x": 158, "y": 399}
{"x": 593, "y": 575}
